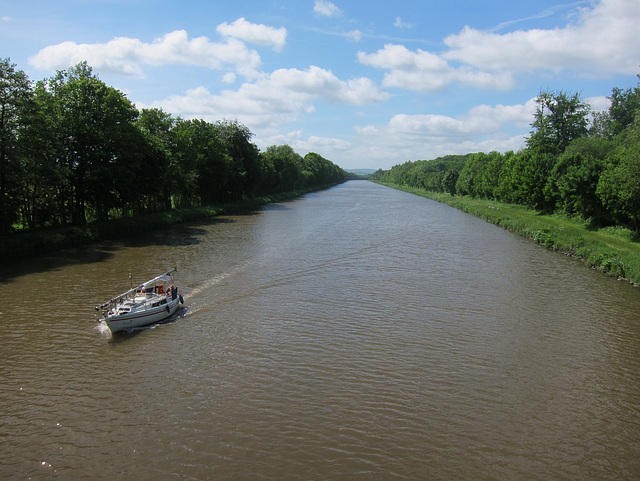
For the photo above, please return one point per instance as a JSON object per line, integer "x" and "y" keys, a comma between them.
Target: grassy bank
{"x": 22, "y": 244}
{"x": 614, "y": 251}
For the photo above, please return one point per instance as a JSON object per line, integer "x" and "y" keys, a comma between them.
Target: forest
{"x": 577, "y": 163}
{"x": 74, "y": 150}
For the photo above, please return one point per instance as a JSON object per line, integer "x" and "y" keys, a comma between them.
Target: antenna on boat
{"x": 131, "y": 280}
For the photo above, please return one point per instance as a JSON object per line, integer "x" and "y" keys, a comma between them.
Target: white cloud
{"x": 483, "y": 128}
{"x": 275, "y": 99}
{"x": 375, "y": 150}
{"x": 401, "y": 25}
{"x": 128, "y": 55}
{"x": 355, "y": 35}
{"x": 411, "y": 137}
{"x": 519, "y": 115}
{"x": 599, "y": 104}
{"x": 553, "y": 10}
{"x": 479, "y": 122}
{"x": 398, "y": 57}
{"x": 315, "y": 82}
{"x": 329, "y": 147}
{"x": 254, "y": 33}
{"x": 281, "y": 98}
{"x": 604, "y": 39}
{"x": 269, "y": 137}
{"x": 321, "y": 144}
{"x": 326, "y": 8}
{"x": 425, "y": 72}
{"x": 229, "y": 78}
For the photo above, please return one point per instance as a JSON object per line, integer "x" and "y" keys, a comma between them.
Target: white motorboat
{"x": 148, "y": 303}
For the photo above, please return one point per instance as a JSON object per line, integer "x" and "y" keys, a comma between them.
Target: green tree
{"x": 44, "y": 181}
{"x": 573, "y": 180}
{"x": 489, "y": 177}
{"x": 601, "y": 125}
{"x": 245, "y": 172}
{"x": 523, "y": 178}
{"x": 156, "y": 127}
{"x": 426, "y": 174}
{"x": 449, "y": 181}
{"x": 624, "y": 108}
{"x": 486, "y": 171}
{"x": 473, "y": 179}
{"x": 74, "y": 149}
{"x": 283, "y": 168}
{"x": 215, "y": 166}
{"x": 619, "y": 184}
{"x": 320, "y": 171}
{"x": 185, "y": 156}
{"x": 95, "y": 136}
{"x": 559, "y": 119}
{"x": 397, "y": 173}
{"x": 621, "y": 114}
{"x": 15, "y": 95}
{"x": 208, "y": 172}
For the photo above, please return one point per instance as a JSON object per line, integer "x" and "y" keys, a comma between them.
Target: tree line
{"x": 74, "y": 150}
{"x": 576, "y": 162}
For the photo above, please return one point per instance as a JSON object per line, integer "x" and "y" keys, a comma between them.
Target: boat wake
{"x": 210, "y": 283}
{"x": 103, "y": 328}
{"x": 198, "y": 294}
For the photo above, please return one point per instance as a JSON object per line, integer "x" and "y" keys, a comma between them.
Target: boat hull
{"x": 142, "y": 318}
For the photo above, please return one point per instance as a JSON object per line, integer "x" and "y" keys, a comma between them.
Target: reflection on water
{"x": 354, "y": 333}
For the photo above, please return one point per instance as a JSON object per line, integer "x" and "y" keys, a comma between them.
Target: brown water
{"x": 354, "y": 333}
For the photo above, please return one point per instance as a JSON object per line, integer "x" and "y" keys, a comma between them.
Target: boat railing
{"x": 131, "y": 293}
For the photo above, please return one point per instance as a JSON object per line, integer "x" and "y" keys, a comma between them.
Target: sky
{"x": 364, "y": 84}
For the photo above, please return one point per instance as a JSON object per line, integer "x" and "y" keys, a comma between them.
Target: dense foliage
{"x": 580, "y": 166}
{"x": 73, "y": 150}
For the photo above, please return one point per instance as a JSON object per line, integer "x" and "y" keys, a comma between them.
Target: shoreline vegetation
{"x": 614, "y": 251}
{"x": 574, "y": 188}
{"x": 43, "y": 241}
{"x": 80, "y": 163}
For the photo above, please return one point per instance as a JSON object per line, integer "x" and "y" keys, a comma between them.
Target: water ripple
{"x": 357, "y": 333}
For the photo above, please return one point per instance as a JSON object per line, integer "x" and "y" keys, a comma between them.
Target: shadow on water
{"x": 173, "y": 236}
{"x": 277, "y": 207}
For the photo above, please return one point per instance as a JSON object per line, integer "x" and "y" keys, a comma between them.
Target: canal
{"x": 354, "y": 333}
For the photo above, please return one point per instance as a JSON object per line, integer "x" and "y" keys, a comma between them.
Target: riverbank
{"x": 42, "y": 241}
{"x": 612, "y": 250}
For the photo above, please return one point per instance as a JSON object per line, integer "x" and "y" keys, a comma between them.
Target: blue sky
{"x": 364, "y": 84}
